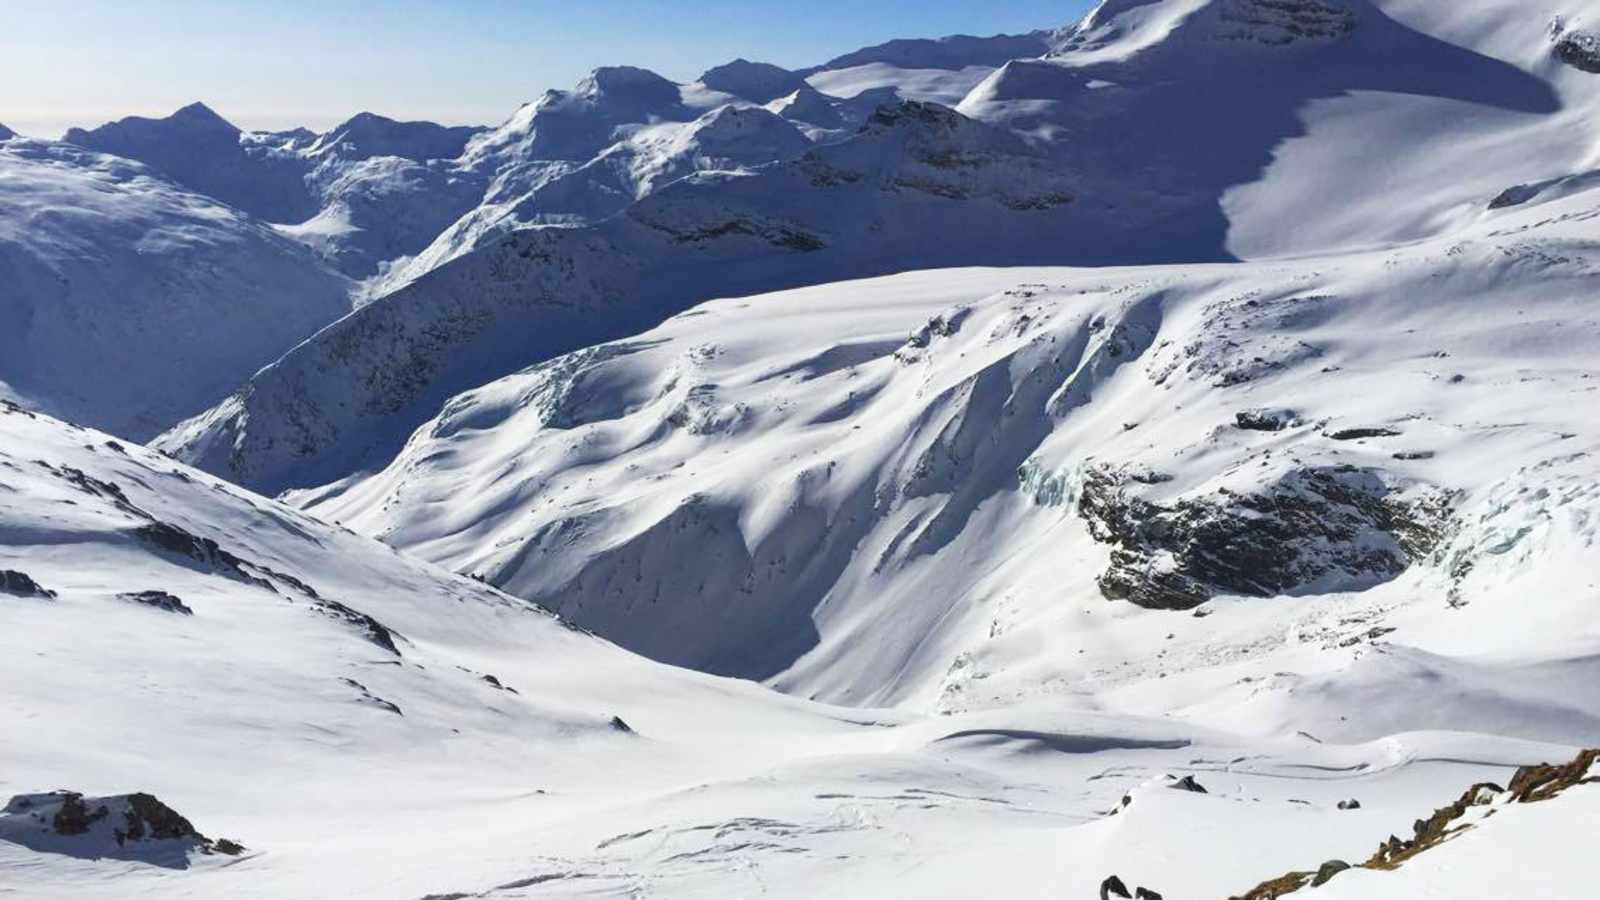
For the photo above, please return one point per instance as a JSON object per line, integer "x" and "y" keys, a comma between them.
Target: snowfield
{"x": 1156, "y": 457}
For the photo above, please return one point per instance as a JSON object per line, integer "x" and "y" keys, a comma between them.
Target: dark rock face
{"x": 1580, "y": 50}
{"x": 18, "y": 584}
{"x": 618, "y": 725}
{"x": 124, "y": 819}
{"x": 74, "y": 817}
{"x": 159, "y": 600}
{"x": 1327, "y": 870}
{"x": 1312, "y": 525}
{"x": 210, "y": 556}
{"x": 1187, "y": 783}
{"x": 201, "y": 550}
{"x": 1350, "y": 804}
{"x": 1265, "y": 419}
{"x": 1283, "y": 21}
{"x": 1113, "y": 887}
{"x": 1534, "y": 783}
{"x": 1361, "y": 434}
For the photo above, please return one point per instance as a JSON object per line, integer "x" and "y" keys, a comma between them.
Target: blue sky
{"x": 291, "y": 62}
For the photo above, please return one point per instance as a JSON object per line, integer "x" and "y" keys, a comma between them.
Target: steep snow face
{"x": 956, "y": 189}
{"x": 202, "y": 151}
{"x": 941, "y": 519}
{"x": 367, "y": 135}
{"x": 131, "y": 303}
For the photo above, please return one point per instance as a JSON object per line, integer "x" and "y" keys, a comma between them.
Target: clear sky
{"x": 281, "y": 63}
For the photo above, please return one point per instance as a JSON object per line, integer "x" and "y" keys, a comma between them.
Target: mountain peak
{"x": 757, "y": 82}
{"x": 368, "y": 134}
{"x": 199, "y": 114}
{"x": 629, "y": 80}
{"x": 6, "y": 134}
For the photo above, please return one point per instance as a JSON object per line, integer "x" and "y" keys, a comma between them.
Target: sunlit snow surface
{"x": 449, "y": 672}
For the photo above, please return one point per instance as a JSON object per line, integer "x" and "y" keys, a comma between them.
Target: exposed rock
{"x": 1187, "y": 783}
{"x": 1580, "y": 50}
{"x": 1145, "y": 893}
{"x": 18, "y": 584}
{"x": 1310, "y": 526}
{"x": 371, "y": 698}
{"x": 1350, "y": 804}
{"x": 1516, "y": 195}
{"x": 1113, "y": 887}
{"x": 121, "y": 823}
{"x": 159, "y": 600}
{"x": 1283, "y": 21}
{"x": 1357, "y": 434}
{"x": 1266, "y": 419}
{"x": 1326, "y": 872}
{"x": 204, "y": 551}
{"x": 1534, "y": 783}
{"x": 1531, "y": 784}
{"x": 74, "y": 817}
{"x": 209, "y": 555}
{"x": 618, "y": 725}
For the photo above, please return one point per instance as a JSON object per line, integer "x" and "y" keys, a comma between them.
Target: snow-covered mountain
{"x": 222, "y": 665}
{"x": 1044, "y": 440}
{"x": 131, "y": 303}
{"x": 918, "y": 186}
{"x": 1154, "y": 457}
{"x": 1006, "y": 180}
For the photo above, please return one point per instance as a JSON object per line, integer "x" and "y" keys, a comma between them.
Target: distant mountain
{"x": 129, "y": 302}
{"x": 756, "y": 82}
{"x": 954, "y": 52}
{"x": 202, "y": 151}
{"x": 367, "y": 135}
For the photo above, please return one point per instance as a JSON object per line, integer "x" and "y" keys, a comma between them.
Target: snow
{"x": 890, "y": 478}
{"x": 131, "y": 303}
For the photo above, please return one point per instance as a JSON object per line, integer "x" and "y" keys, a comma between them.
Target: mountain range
{"x": 1154, "y": 455}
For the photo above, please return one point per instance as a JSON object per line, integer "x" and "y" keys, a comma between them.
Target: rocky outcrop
{"x": 158, "y": 600}
{"x": 1579, "y": 49}
{"x": 1531, "y": 784}
{"x": 1265, "y": 419}
{"x": 18, "y": 584}
{"x": 124, "y": 825}
{"x": 1311, "y": 529}
{"x": 1283, "y": 21}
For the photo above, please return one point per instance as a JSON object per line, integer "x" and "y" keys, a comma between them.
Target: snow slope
{"x": 130, "y": 303}
{"x": 915, "y": 520}
{"x": 1232, "y": 556}
{"x": 367, "y": 725}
